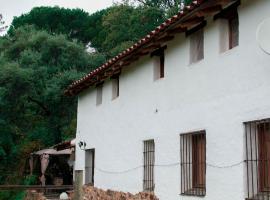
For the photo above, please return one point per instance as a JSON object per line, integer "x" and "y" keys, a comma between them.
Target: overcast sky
{"x": 11, "y": 8}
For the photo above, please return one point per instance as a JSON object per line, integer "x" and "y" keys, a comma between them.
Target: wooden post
{"x": 78, "y": 193}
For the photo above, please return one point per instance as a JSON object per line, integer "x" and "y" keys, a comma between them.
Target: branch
{"x": 40, "y": 104}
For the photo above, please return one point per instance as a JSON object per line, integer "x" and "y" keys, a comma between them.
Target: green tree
{"x": 2, "y": 26}
{"x": 74, "y": 23}
{"x": 124, "y": 24}
{"x": 108, "y": 31}
{"x": 35, "y": 69}
{"x": 170, "y": 7}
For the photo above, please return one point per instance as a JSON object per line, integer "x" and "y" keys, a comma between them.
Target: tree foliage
{"x": 74, "y": 23}
{"x": 2, "y": 24}
{"x": 123, "y": 25}
{"x": 35, "y": 69}
{"x": 108, "y": 31}
{"x": 170, "y": 7}
{"x": 43, "y": 52}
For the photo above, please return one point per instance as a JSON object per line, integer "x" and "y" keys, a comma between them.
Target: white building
{"x": 185, "y": 128}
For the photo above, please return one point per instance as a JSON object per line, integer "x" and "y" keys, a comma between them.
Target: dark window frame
{"x": 231, "y": 15}
{"x": 92, "y": 167}
{"x": 257, "y": 135}
{"x": 160, "y": 53}
{"x": 193, "y": 163}
{"x": 99, "y": 94}
{"x": 115, "y": 87}
{"x": 148, "y": 166}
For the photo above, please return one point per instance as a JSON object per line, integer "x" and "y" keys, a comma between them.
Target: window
{"x": 115, "y": 87}
{"x": 159, "y": 60}
{"x": 257, "y": 135}
{"x": 99, "y": 95}
{"x": 148, "y": 165}
{"x": 89, "y": 166}
{"x": 193, "y": 163}
{"x": 233, "y": 31}
{"x": 196, "y": 46}
{"x": 229, "y": 28}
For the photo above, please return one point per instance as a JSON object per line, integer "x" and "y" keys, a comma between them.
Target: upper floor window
{"x": 233, "y": 31}
{"x": 115, "y": 87}
{"x": 159, "y": 62}
{"x": 196, "y": 46}
{"x": 257, "y": 134}
{"x": 99, "y": 94}
{"x": 193, "y": 163}
{"x": 229, "y": 28}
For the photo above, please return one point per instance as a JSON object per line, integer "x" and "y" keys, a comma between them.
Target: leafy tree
{"x": 108, "y": 31}
{"x": 35, "y": 68}
{"x": 74, "y": 23}
{"x": 2, "y": 26}
{"x": 124, "y": 24}
{"x": 170, "y": 7}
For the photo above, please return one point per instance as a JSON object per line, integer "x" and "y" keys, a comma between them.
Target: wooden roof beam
{"x": 165, "y": 38}
{"x": 177, "y": 30}
{"x": 209, "y": 11}
{"x": 192, "y": 22}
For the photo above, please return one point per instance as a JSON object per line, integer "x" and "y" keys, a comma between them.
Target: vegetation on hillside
{"x": 42, "y": 53}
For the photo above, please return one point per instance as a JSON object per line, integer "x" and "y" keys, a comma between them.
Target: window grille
{"x": 193, "y": 163}
{"x": 257, "y": 135}
{"x": 89, "y": 166}
{"x": 148, "y": 166}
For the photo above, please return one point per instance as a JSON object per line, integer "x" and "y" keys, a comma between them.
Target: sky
{"x": 11, "y": 8}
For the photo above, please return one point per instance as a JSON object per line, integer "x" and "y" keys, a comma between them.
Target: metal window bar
{"x": 257, "y": 135}
{"x": 193, "y": 163}
{"x": 149, "y": 162}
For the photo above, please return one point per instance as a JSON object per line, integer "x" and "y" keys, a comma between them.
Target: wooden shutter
{"x": 198, "y": 156}
{"x": 234, "y": 31}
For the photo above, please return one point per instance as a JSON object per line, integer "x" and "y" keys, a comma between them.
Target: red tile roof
{"x": 191, "y": 16}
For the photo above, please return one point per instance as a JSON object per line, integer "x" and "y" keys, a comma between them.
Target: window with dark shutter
{"x": 233, "y": 31}
{"x": 257, "y": 135}
{"x": 196, "y": 46}
{"x": 115, "y": 87}
{"x": 99, "y": 95}
{"x": 148, "y": 165}
{"x": 229, "y": 29}
{"x": 159, "y": 62}
{"x": 193, "y": 163}
{"x": 89, "y": 166}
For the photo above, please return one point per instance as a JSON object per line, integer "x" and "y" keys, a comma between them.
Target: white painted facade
{"x": 217, "y": 95}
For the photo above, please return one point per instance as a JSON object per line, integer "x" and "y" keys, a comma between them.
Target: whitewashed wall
{"x": 217, "y": 94}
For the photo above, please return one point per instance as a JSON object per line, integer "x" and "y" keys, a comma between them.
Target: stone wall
{"x": 34, "y": 195}
{"x": 92, "y": 193}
